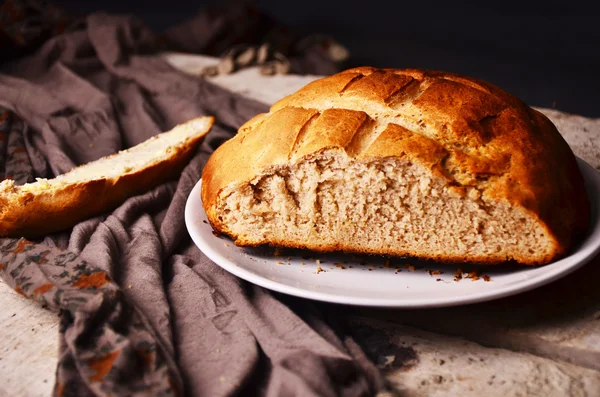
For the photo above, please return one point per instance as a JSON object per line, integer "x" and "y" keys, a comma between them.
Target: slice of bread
{"x": 400, "y": 162}
{"x": 51, "y": 205}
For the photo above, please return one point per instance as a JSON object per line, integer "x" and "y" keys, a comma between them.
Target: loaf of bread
{"x": 400, "y": 162}
{"x": 50, "y": 205}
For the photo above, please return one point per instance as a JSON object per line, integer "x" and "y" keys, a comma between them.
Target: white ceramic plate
{"x": 370, "y": 281}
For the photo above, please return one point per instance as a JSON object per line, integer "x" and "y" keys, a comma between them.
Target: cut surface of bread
{"x": 332, "y": 201}
{"x": 50, "y": 205}
{"x": 400, "y": 162}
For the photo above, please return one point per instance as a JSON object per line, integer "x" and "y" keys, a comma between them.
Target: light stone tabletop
{"x": 542, "y": 343}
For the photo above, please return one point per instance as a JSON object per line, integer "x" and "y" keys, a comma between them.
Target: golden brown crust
{"x": 468, "y": 131}
{"x": 34, "y": 214}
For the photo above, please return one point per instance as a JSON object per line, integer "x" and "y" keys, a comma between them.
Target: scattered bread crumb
{"x": 458, "y": 274}
{"x": 473, "y": 275}
{"x": 433, "y": 272}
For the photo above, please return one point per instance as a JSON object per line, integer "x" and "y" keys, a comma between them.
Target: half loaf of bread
{"x": 51, "y": 205}
{"x": 400, "y": 162}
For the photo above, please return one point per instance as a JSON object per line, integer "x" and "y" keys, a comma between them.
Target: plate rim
{"x": 582, "y": 256}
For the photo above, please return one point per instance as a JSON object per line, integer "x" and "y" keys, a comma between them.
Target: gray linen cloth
{"x": 143, "y": 311}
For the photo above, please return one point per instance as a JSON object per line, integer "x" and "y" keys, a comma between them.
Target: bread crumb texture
{"x": 332, "y": 199}
{"x": 400, "y": 162}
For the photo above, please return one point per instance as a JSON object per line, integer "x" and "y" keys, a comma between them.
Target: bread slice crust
{"x": 48, "y": 206}
{"x": 485, "y": 143}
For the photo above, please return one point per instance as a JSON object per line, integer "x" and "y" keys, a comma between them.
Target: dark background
{"x": 547, "y": 53}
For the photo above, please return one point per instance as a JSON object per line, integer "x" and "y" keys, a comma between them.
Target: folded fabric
{"x": 143, "y": 311}
{"x": 216, "y": 30}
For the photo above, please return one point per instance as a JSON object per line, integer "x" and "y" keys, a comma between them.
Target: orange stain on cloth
{"x": 102, "y": 365}
{"x": 94, "y": 280}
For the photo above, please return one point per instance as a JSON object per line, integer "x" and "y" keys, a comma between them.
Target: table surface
{"x": 541, "y": 343}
